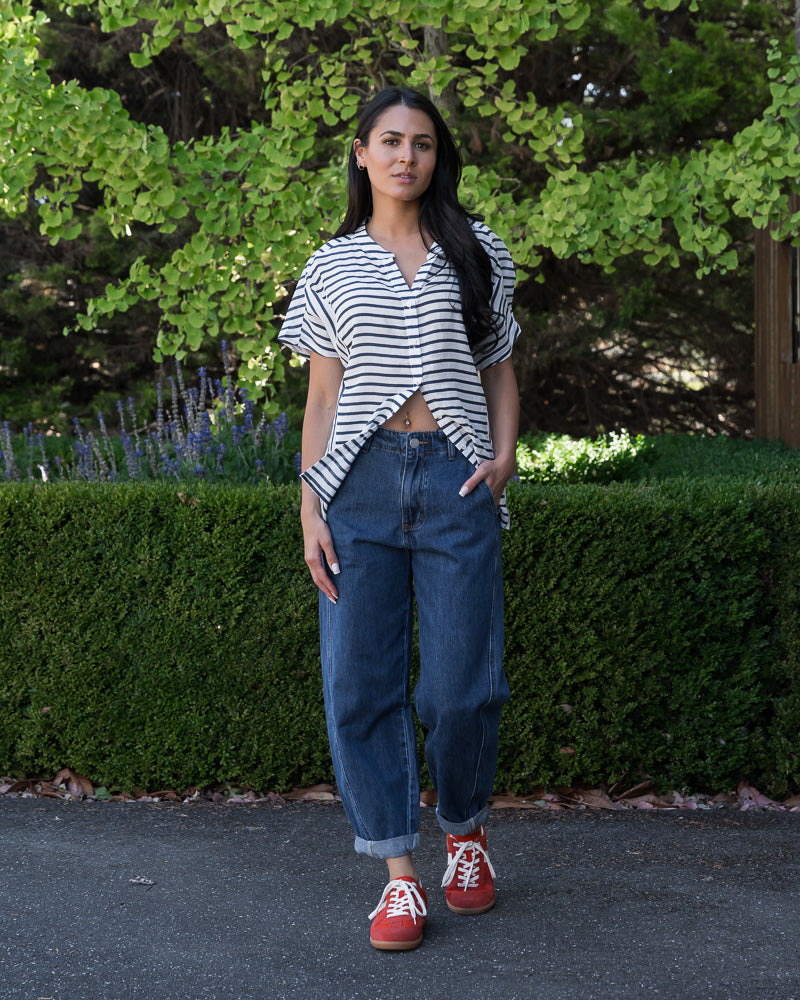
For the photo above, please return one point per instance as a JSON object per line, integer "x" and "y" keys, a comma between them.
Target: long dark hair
{"x": 441, "y": 214}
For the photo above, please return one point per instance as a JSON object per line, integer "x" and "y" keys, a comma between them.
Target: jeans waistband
{"x": 408, "y": 442}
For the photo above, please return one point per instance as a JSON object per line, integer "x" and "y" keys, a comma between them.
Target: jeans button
{"x": 413, "y": 443}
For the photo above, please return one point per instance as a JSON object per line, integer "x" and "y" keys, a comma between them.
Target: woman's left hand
{"x": 502, "y": 403}
{"x": 496, "y": 472}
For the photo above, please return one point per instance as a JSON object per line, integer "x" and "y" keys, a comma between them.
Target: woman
{"x": 409, "y": 439}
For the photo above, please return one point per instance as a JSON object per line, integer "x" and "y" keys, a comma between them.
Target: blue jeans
{"x": 401, "y": 529}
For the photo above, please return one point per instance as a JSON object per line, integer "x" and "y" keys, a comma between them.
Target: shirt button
{"x": 413, "y": 443}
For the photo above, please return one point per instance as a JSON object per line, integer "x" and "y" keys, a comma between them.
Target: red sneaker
{"x": 398, "y": 920}
{"x": 469, "y": 880}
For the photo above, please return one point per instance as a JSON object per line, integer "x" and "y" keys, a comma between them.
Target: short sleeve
{"x": 498, "y": 347}
{"x": 308, "y": 325}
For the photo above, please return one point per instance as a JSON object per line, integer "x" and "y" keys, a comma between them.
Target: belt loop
{"x": 451, "y": 450}
{"x": 365, "y": 447}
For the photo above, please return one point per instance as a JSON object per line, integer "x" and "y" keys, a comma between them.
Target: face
{"x": 399, "y": 154}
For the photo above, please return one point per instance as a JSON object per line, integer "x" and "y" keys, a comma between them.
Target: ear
{"x": 357, "y": 145}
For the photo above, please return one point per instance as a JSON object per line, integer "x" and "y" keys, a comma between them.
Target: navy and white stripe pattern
{"x": 352, "y": 302}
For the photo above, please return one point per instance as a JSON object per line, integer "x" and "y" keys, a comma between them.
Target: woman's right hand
{"x": 318, "y": 545}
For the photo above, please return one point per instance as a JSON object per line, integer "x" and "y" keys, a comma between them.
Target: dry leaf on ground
{"x": 67, "y": 784}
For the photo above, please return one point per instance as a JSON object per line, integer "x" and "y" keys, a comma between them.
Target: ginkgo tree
{"x": 250, "y": 204}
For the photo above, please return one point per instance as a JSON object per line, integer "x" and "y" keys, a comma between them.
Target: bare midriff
{"x": 413, "y": 415}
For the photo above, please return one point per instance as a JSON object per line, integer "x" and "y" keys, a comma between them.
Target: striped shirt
{"x": 353, "y": 303}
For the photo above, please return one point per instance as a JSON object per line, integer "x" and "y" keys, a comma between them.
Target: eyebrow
{"x": 400, "y": 135}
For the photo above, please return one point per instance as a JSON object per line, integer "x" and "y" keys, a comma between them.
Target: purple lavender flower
{"x": 169, "y": 465}
{"x": 159, "y": 410}
{"x": 248, "y": 407}
{"x": 176, "y": 431}
{"x": 230, "y": 399}
{"x": 226, "y": 361}
{"x": 206, "y": 438}
{"x": 130, "y": 454}
{"x": 189, "y": 424}
{"x": 132, "y": 412}
{"x": 84, "y": 468}
{"x": 279, "y": 428}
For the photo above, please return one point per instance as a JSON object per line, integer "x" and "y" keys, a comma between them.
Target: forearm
{"x": 502, "y": 404}
{"x": 325, "y": 377}
{"x": 317, "y": 425}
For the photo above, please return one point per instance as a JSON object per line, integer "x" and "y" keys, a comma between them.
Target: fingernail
{"x": 335, "y": 569}
{"x": 463, "y": 491}
{"x": 331, "y": 599}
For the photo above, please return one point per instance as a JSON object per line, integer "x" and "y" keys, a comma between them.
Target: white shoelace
{"x": 467, "y": 869}
{"x": 404, "y": 899}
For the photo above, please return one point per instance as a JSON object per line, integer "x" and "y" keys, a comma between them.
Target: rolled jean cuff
{"x": 394, "y": 848}
{"x": 462, "y": 829}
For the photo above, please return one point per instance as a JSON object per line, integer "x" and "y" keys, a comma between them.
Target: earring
{"x": 360, "y": 165}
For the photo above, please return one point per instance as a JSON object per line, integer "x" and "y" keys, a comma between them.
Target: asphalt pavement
{"x": 120, "y": 901}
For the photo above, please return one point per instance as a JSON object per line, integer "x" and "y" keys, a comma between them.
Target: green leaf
{"x": 164, "y": 197}
{"x": 509, "y": 58}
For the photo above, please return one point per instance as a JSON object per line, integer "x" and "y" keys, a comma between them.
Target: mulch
{"x": 70, "y": 786}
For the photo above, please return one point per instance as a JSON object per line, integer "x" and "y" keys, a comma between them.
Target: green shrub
{"x": 558, "y": 458}
{"x": 656, "y": 625}
{"x": 153, "y": 635}
{"x": 689, "y": 456}
{"x": 158, "y": 635}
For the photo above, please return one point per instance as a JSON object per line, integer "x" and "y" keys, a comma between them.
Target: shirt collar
{"x": 378, "y": 253}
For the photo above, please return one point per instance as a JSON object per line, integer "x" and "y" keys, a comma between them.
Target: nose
{"x": 407, "y": 153}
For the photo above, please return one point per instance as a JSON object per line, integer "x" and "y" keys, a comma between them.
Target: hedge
{"x": 159, "y": 636}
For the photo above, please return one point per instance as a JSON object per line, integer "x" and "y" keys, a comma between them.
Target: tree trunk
{"x": 797, "y": 25}
{"x": 435, "y": 44}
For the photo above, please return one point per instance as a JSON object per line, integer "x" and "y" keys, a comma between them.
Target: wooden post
{"x": 777, "y": 338}
{"x": 777, "y": 315}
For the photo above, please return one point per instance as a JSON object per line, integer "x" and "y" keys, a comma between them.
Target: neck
{"x": 394, "y": 220}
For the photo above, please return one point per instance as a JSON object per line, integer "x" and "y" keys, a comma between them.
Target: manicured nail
{"x": 331, "y": 599}
{"x": 463, "y": 491}
{"x": 335, "y": 569}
